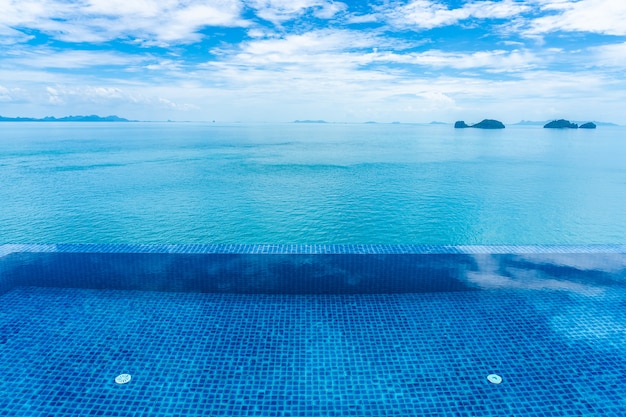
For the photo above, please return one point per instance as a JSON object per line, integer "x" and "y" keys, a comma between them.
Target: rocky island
{"x": 560, "y": 124}
{"x": 485, "y": 124}
{"x": 588, "y": 125}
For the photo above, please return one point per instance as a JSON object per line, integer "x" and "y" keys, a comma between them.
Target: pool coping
{"x": 304, "y": 249}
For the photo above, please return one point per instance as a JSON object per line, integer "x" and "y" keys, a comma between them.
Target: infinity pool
{"x": 322, "y": 330}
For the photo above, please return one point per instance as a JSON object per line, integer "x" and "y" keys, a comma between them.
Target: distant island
{"x": 310, "y": 121}
{"x": 542, "y": 123}
{"x": 560, "y": 124}
{"x": 485, "y": 124}
{"x": 91, "y": 118}
{"x": 566, "y": 124}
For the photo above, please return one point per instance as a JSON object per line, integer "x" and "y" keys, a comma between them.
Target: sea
{"x": 322, "y": 183}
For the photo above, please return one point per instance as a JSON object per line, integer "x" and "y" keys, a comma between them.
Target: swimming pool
{"x": 303, "y": 330}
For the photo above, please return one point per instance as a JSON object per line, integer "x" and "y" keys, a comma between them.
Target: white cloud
{"x": 322, "y": 50}
{"x": 53, "y": 96}
{"x": 62, "y": 94}
{"x": 186, "y": 21}
{"x": 438, "y": 99}
{"x": 165, "y": 65}
{"x": 610, "y": 55}
{"x": 495, "y": 9}
{"x": 5, "y": 94}
{"x": 10, "y": 36}
{"x": 361, "y": 18}
{"x": 494, "y": 61}
{"x": 13, "y": 95}
{"x": 152, "y": 21}
{"x": 428, "y": 14}
{"x": 595, "y": 16}
{"x": 168, "y": 104}
{"x": 138, "y": 8}
{"x": 112, "y": 96}
{"x": 330, "y": 10}
{"x": 310, "y": 43}
{"x": 67, "y": 59}
{"x": 277, "y": 11}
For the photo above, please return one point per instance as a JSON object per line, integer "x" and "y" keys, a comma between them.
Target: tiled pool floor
{"x": 193, "y": 354}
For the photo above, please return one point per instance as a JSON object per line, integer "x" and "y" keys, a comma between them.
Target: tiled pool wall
{"x": 310, "y": 269}
{"x": 549, "y": 320}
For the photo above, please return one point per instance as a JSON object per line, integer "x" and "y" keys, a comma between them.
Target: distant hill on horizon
{"x": 90, "y": 118}
{"x": 537, "y": 123}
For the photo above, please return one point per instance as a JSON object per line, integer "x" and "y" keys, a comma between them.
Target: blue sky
{"x": 341, "y": 61}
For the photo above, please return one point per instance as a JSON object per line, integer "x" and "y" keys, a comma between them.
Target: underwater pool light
{"x": 122, "y": 379}
{"x": 494, "y": 379}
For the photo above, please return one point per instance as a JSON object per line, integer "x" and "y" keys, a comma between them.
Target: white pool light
{"x": 494, "y": 379}
{"x": 122, "y": 379}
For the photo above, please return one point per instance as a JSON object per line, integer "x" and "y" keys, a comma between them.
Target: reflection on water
{"x": 577, "y": 272}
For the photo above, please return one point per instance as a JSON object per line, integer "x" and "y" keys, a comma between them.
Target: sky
{"x": 409, "y": 61}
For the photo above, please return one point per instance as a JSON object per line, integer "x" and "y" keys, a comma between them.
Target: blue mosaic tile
{"x": 308, "y": 330}
{"x": 561, "y": 352}
{"x": 313, "y": 249}
{"x": 142, "y": 268}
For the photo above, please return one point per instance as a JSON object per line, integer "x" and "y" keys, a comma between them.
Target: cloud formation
{"x": 428, "y": 14}
{"x": 593, "y": 16}
{"x": 409, "y": 60}
{"x": 151, "y": 21}
{"x": 5, "y": 94}
{"x": 277, "y": 11}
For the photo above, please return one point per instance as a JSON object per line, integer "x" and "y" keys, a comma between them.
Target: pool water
{"x": 311, "y": 355}
{"x": 551, "y": 325}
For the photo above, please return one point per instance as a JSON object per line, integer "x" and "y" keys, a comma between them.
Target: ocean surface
{"x": 310, "y": 183}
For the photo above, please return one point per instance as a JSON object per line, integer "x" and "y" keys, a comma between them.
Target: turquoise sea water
{"x": 310, "y": 183}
